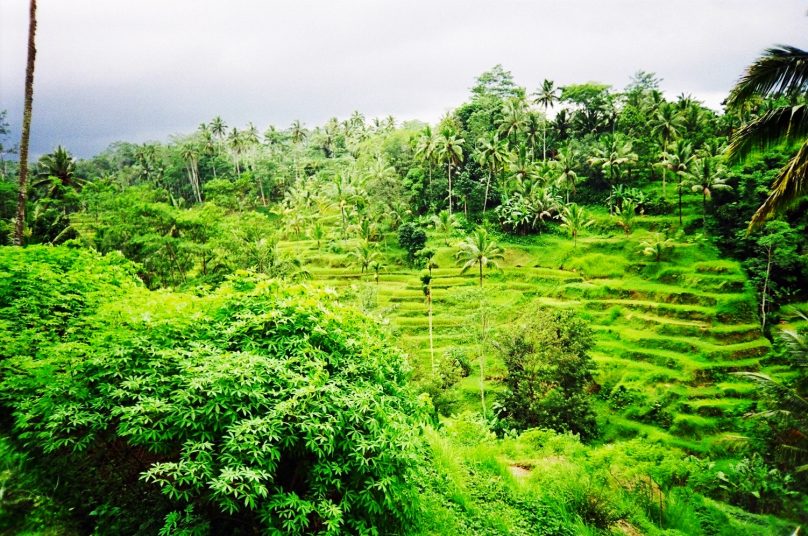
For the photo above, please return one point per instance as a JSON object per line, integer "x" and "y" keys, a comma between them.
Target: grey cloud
{"x": 144, "y": 70}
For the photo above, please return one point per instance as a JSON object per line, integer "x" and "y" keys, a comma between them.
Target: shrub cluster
{"x": 257, "y": 408}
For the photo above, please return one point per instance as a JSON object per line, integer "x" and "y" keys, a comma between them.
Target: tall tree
{"x": 575, "y": 219}
{"x": 667, "y": 124}
{"x": 612, "y": 156}
{"x": 22, "y": 194}
{"x": 426, "y": 150}
{"x": 546, "y": 97}
{"x": 56, "y": 171}
{"x": 450, "y": 150}
{"x": 566, "y": 164}
{"x": 677, "y": 160}
{"x": 492, "y": 154}
{"x": 426, "y": 279}
{"x": 190, "y": 154}
{"x": 782, "y": 71}
{"x": 514, "y": 116}
{"x": 706, "y": 176}
{"x": 478, "y": 249}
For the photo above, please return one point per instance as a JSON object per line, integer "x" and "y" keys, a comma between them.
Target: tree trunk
{"x": 487, "y": 186}
{"x": 431, "y": 194}
{"x": 704, "y": 212}
{"x": 22, "y": 194}
{"x": 765, "y": 288}
{"x": 679, "y": 188}
{"x": 484, "y": 330}
{"x": 261, "y": 191}
{"x": 431, "y": 344}
{"x": 450, "y": 189}
{"x": 481, "y": 274}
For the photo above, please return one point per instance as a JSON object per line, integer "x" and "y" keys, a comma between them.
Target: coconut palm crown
{"x": 782, "y": 71}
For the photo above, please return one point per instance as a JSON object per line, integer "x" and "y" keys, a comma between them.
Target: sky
{"x": 143, "y": 70}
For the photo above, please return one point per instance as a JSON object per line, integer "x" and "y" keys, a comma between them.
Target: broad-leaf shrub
{"x": 549, "y": 373}
{"x": 259, "y": 408}
{"x": 46, "y": 293}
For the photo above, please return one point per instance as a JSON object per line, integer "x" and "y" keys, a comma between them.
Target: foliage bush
{"x": 256, "y": 408}
{"x": 412, "y": 238}
{"x": 549, "y": 371}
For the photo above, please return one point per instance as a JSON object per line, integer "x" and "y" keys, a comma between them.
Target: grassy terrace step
{"x": 705, "y": 281}
{"x": 728, "y": 389}
{"x": 719, "y": 334}
{"x": 719, "y": 407}
{"x": 694, "y": 426}
{"x": 695, "y": 366}
{"x": 422, "y": 341}
{"x": 658, "y": 357}
{"x": 722, "y": 334}
{"x": 422, "y": 321}
{"x": 701, "y": 346}
{"x": 628, "y": 428}
{"x": 718, "y": 266}
{"x": 678, "y": 311}
{"x": 648, "y": 291}
{"x": 637, "y": 370}
{"x": 649, "y": 319}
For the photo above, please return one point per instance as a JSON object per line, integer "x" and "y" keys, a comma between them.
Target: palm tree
{"x": 562, "y": 124}
{"x": 706, "y": 177}
{"x": 377, "y": 268}
{"x": 574, "y": 219}
{"x": 191, "y": 156}
{"x": 533, "y": 124}
{"x": 427, "y": 257}
{"x": 521, "y": 168}
{"x": 364, "y": 254}
{"x": 626, "y": 213}
{"x": 426, "y": 279}
{"x": 677, "y": 160}
{"x": 19, "y": 224}
{"x": 426, "y": 150}
{"x": 207, "y": 144}
{"x": 218, "y": 128}
{"x": 450, "y": 151}
{"x": 546, "y": 96}
{"x": 565, "y": 164}
{"x": 59, "y": 165}
{"x": 782, "y": 71}
{"x": 612, "y": 155}
{"x": 445, "y": 224}
{"x": 236, "y": 142}
{"x": 492, "y": 154}
{"x": 667, "y": 125}
{"x": 478, "y": 249}
{"x": 297, "y": 131}
{"x": 318, "y": 233}
{"x": 513, "y": 117}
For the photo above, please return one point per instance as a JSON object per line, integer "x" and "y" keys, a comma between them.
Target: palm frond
{"x": 780, "y": 125}
{"x": 789, "y": 185}
{"x": 780, "y": 70}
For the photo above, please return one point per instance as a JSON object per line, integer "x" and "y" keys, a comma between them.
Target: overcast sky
{"x": 139, "y": 70}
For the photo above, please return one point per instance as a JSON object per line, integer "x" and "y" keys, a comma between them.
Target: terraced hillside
{"x": 668, "y": 334}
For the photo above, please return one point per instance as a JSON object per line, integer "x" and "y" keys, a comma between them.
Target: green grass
{"x": 670, "y": 331}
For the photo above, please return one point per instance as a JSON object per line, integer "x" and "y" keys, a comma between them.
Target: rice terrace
{"x": 497, "y": 302}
